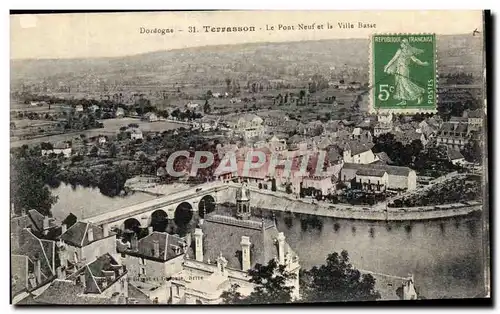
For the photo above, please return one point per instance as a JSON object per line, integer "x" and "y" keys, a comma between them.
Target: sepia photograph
{"x": 248, "y": 157}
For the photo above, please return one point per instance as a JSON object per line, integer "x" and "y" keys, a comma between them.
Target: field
{"x": 111, "y": 127}
{"x": 114, "y": 125}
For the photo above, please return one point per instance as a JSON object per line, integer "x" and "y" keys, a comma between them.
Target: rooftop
{"x": 218, "y": 228}
{"x": 169, "y": 246}
{"x": 77, "y": 234}
{"x": 391, "y": 170}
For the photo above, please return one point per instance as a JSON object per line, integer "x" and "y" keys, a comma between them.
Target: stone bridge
{"x": 180, "y": 206}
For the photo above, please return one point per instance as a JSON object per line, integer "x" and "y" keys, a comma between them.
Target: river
{"x": 444, "y": 255}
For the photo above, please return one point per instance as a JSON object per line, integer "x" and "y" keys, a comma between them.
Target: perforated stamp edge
{"x": 371, "y": 92}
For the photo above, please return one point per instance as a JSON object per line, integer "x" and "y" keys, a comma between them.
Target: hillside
{"x": 213, "y": 64}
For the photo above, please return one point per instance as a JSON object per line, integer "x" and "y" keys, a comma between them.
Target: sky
{"x": 90, "y": 35}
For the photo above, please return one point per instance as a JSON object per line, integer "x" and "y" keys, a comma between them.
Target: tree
{"x": 271, "y": 286}
{"x": 70, "y": 220}
{"x": 113, "y": 150}
{"x": 273, "y": 185}
{"x": 28, "y": 185}
{"x": 112, "y": 183}
{"x": 337, "y": 281}
{"x": 206, "y": 107}
{"x": 94, "y": 151}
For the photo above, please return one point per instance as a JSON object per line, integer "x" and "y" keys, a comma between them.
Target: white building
{"x": 359, "y": 153}
{"x": 398, "y": 178}
{"x": 58, "y": 149}
{"x": 150, "y": 117}
{"x": 135, "y": 134}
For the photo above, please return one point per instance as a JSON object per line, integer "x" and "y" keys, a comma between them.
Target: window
{"x": 143, "y": 271}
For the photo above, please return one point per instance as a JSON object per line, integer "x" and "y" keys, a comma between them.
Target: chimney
{"x": 134, "y": 244}
{"x": 150, "y": 229}
{"x": 63, "y": 257}
{"x": 90, "y": 233}
{"x": 245, "y": 253}
{"x": 60, "y": 273}
{"x": 156, "y": 248}
{"x": 38, "y": 271}
{"x": 64, "y": 227}
{"x": 45, "y": 223}
{"x": 281, "y": 248}
{"x": 198, "y": 238}
{"x": 105, "y": 230}
{"x": 187, "y": 238}
{"x": 82, "y": 279}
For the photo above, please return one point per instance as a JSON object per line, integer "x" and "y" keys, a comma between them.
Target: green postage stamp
{"x": 403, "y": 73}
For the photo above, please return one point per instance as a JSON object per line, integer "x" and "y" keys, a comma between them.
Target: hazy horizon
{"x": 111, "y": 35}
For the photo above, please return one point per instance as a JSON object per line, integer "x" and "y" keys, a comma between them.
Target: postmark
{"x": 403, "y": 76}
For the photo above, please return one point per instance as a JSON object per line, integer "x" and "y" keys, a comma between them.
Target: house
{"x": 150, "y": 117}
{"x": 33, "y": 264}
{"x": 247, "y": 125}
{"x": 398, "y": 178}
{"x": 94, "y": 108}
{"x": 79, "y": 108}
{"x": 102, "y": 139}
{"x": 371, "y": 179}
{"x": 384, "y": 158}
{"x": 120, "y": 113}
{"x": 359, "y": 153}
{"x": 43, "y": 227}
{"x": 385, "y": 118}
{"x": 455, "y": 156}
{"x": 157, "y": 255}
{"x": 84, "y": 242}
{"x": 382, "y": 128}
{"x": 102, "y": 281}
{"x": 273, "y": 118}
{"x": 135, "y": 133}
{"x": 211, "y": 268}
{"x": 428, "y": 128}
{"x": 474, "y": 118}
{"x": 362, "y": 135}
{"x": 208, "y": 123}
{"x": 59, "y": 148}
{"x": 192, "y": 106}
{"x": 277, "y": 145}
{"x": 454, "y": 135}
{"x": 297, "y": 142}
{"x": 321, "y": 183}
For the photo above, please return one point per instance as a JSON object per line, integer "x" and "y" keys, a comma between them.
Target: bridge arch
{"x": 130, "y": 227}
{"x": 159, "y": 220}
{"x": 206, "y": 205}
{"x": 131, "y": 224}
{"x": 183, "y": 214}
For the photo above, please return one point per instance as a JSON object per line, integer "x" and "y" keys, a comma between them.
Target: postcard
{"x": 248, "y": 157}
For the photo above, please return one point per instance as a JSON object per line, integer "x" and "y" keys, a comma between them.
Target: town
{"x": 211, "y": 222}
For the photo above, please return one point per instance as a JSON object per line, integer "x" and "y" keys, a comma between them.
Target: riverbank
{"x": 287, "y": 203}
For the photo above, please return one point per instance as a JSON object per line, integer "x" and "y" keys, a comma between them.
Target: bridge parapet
{"x": 166, "y": 203}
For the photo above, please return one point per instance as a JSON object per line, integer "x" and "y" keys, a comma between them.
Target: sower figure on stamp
{"x": 399, "y": 66}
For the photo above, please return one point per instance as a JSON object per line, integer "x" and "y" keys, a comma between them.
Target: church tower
{"x": 243, "y": 203}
